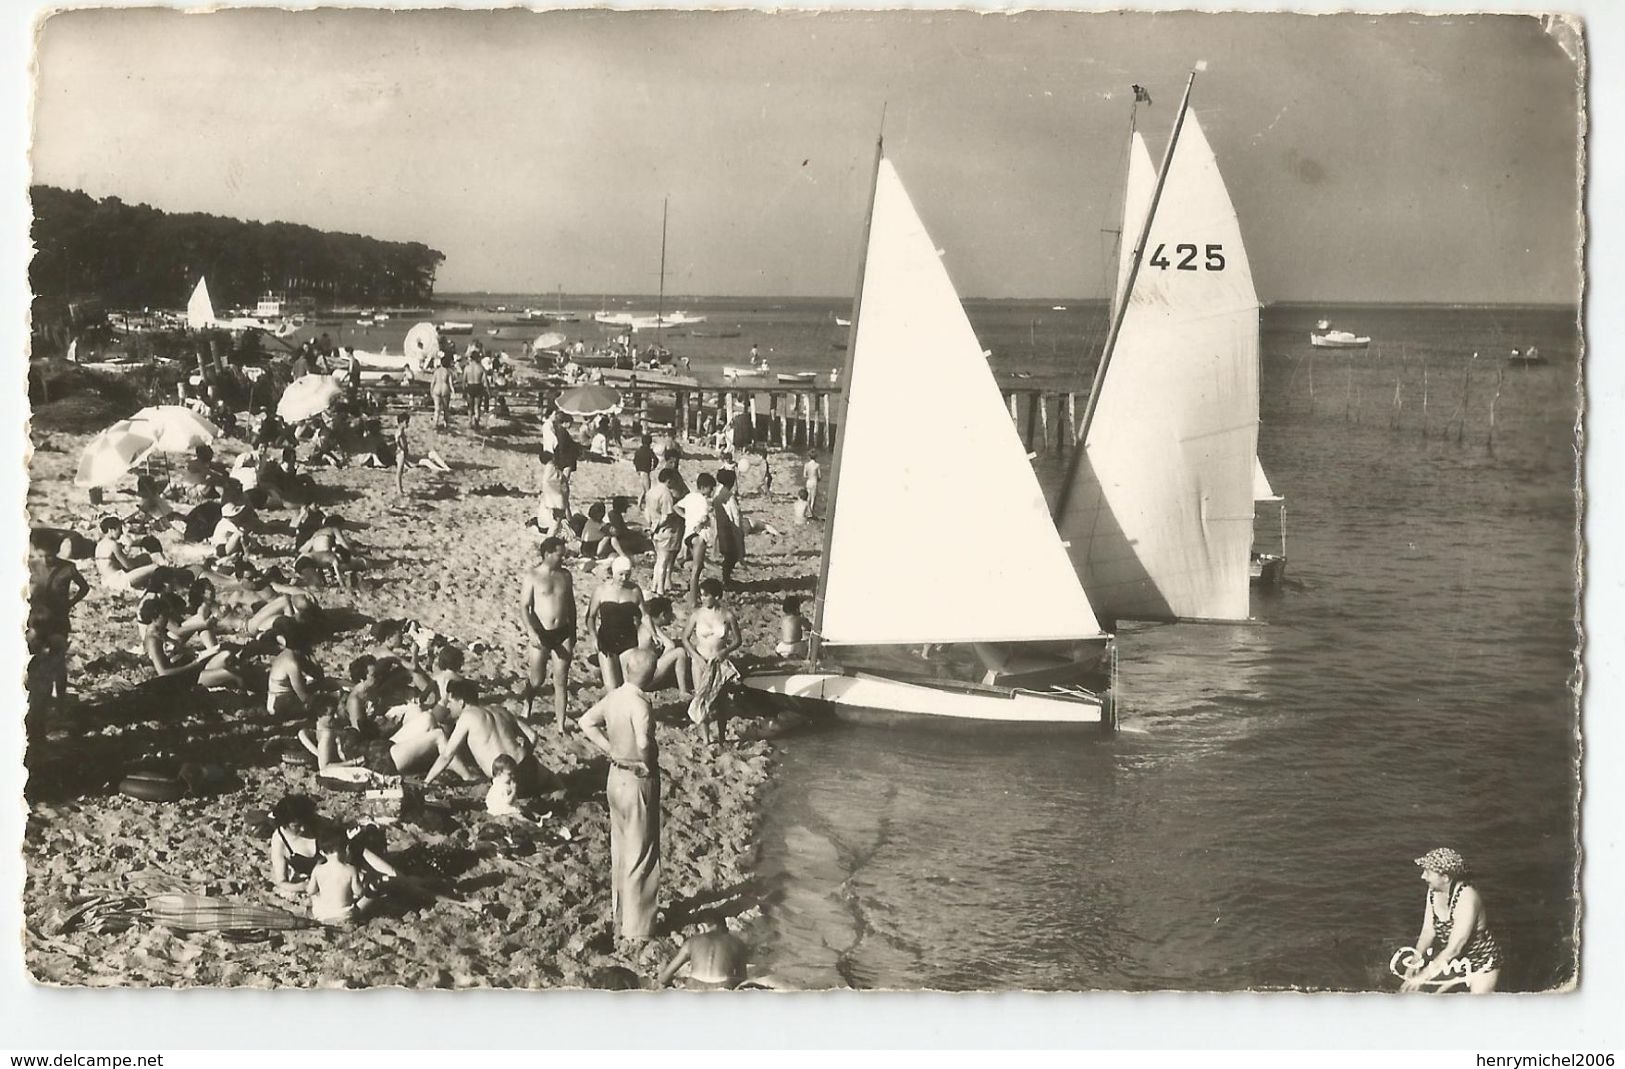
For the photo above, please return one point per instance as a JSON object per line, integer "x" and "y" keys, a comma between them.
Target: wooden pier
{"x": 805, "y": 416}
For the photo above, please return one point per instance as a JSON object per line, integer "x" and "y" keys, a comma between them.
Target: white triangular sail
{"x": 939, "y": 531}
{"x": 200, "y": 310}
{"x": 1263, "y": 492}
{"x": 1142, "y": 183}
{"x": 1159, "y": 513}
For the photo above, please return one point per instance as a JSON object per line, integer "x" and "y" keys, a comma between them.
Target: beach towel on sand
{"x": 709, "y": 686}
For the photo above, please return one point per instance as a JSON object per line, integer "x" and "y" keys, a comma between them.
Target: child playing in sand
{"x": 792, "y": 631}
{"x": 338, "y": 895}
{"x": 402, "y": 449}
{"x": 501, "y": 799}
{"x": 803, "y": 508}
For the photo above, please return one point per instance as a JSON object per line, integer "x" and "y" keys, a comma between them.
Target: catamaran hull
{"x": 867, "y": 699}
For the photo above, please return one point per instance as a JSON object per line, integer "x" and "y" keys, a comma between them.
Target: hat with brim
{"x": 1444, "y": 861}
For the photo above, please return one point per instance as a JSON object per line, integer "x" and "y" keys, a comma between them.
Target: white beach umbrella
{"x": 307, "y": 396}
{"x": 175, "y": 428}
{"x": 422, "y": 345}
{"x": 112, "y": 453}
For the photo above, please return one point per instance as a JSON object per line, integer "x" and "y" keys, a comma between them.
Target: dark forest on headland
{"x": 134, "y": 255}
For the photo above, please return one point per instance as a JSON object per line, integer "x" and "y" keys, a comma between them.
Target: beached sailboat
{"x": 1157, "y": 509}
{"x": 945, "y": 595}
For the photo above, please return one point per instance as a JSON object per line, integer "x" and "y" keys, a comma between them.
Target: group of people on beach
{"x": 223, "y": 603}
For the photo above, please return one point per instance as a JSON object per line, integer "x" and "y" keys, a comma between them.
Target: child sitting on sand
{"x": 338, "y": 896}
{"x": 792, "y": 631}
{"x": 500, "y": 800}
{"x": 803, "y": 508}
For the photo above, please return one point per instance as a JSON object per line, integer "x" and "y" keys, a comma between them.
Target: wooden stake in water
{"x": 1311, "y": 382}
{"x": 1348, "y": 397}
{"x": 1466, "y": 392}
{"x": 1424, "y": 395}
{"x": 1494, "y": 401}
{"x": 1393, "y": 418}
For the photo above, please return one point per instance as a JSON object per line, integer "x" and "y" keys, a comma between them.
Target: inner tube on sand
{"x": 152, "y": 787}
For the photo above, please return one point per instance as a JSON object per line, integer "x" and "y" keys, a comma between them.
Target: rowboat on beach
{"x": 797, "y": 376}
{"x": 1011, "y": 641}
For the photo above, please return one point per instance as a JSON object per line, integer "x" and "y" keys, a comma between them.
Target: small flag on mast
{"x": 1140, "y": 95}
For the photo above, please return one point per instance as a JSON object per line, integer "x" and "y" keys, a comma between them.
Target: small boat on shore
{"x": 1012, "y": 641}
{"x": 745, "y": 372}
{"x": 804, "y": 377}
{"x": 1324, "y": 337}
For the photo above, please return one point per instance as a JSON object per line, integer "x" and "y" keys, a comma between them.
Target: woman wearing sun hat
{"x": 1454, "y": 927}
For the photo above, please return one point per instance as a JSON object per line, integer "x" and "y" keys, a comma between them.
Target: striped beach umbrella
{"x": 112, "y": 453}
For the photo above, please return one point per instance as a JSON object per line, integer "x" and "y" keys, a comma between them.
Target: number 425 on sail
{"x": 1213, "y": 258}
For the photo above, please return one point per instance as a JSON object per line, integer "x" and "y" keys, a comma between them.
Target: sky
{"x": 1370, "y": 158}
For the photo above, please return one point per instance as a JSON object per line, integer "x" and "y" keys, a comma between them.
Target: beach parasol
{"x": 551, "y": 340}
{"x": 307, "y": 396}
{"x": 422, "y": 346}
{"x": 589, "y": 401}
{"x": 112, "y": 453}
{"x": 175, "y": 428}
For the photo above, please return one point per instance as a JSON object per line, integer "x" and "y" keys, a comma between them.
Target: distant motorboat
{"x": 381, "y": 317}
{"x": 1057, "y": 307}
{"x": 1525, "y": 357}
{"x": 839, "y": 322}
{"x": 1337, "y": 339}
{"x": 452, "y": 326}
{"x": 364, "y": 321}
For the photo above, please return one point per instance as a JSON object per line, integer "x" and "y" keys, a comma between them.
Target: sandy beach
{"x": 449, "y": 555}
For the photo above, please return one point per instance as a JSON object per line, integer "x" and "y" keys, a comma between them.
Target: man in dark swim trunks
{"x": 547, "y": 605}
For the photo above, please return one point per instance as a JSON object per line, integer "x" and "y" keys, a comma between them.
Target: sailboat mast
{"x": 1128, "y": 290}
{"x": 660, "y": 300}
{"x": 815, "y": 642}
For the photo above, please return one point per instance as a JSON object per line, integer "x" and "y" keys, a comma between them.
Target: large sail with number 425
{"x": 1158, "y": 515}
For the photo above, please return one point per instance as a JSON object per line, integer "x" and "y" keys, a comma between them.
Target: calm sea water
{"x": 1254, "y": 822}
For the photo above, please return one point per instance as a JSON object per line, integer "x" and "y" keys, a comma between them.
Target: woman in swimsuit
{"x": 293, "y": 845}
{"x": 1455, "y": 937}
{"x": 118, "y": 569}
{"x": 288, "y": 685}
{"x": 614, "y": 615}
{"x": 212, "y": 667}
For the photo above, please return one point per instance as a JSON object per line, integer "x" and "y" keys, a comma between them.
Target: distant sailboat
{"x": 1012, "y": 638}
{"x": 1158, "y": 507}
